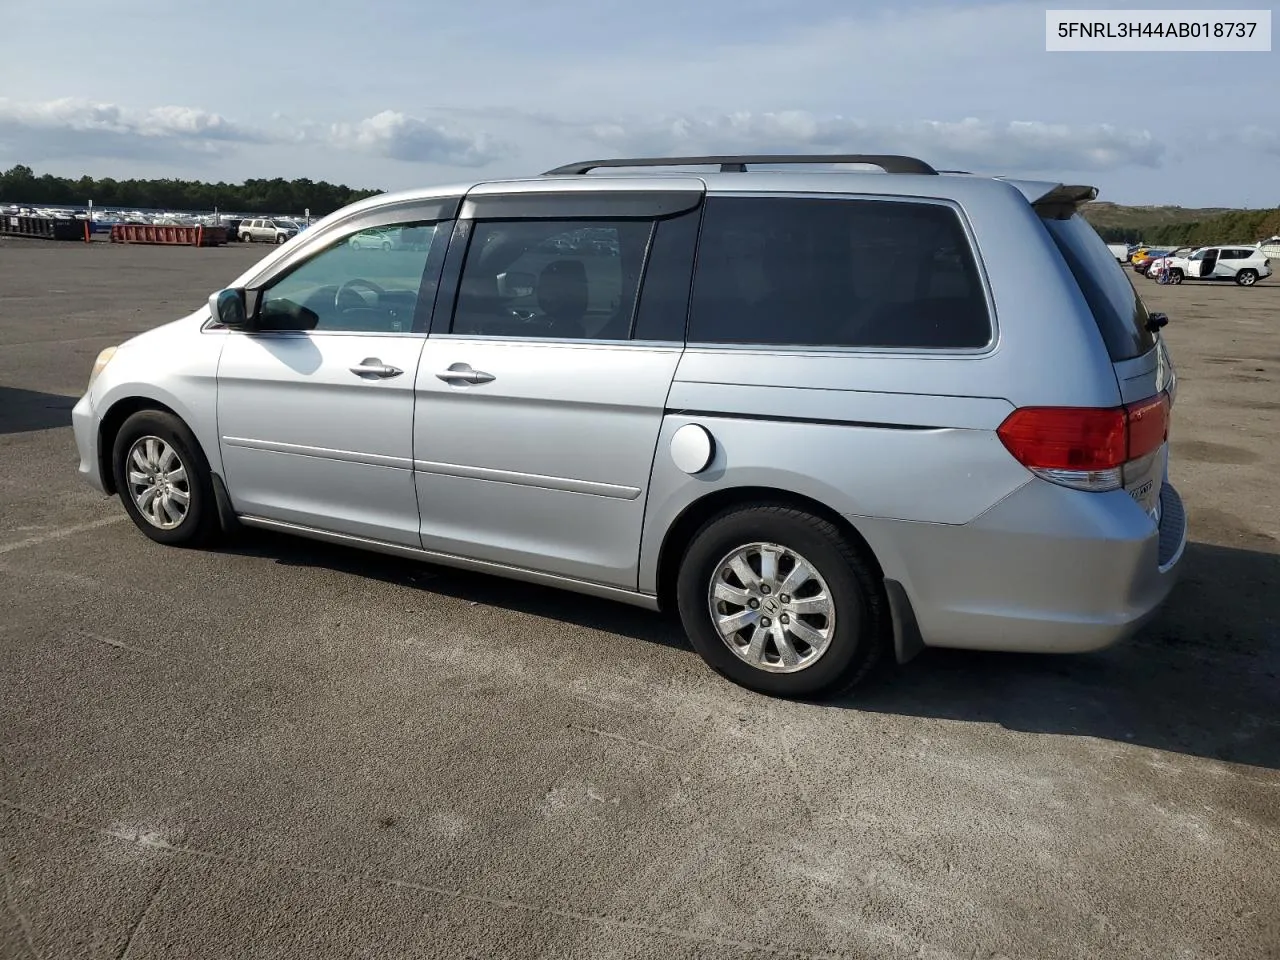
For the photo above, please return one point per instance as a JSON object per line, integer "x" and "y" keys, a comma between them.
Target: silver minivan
{"x": 829, "y": 416}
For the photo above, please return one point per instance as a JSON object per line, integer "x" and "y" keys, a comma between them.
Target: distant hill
{"x": 1104, "y": 214}
{"x": 1181, "y": 225}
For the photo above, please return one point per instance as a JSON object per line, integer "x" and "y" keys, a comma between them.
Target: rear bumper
{"x": 84, "y": 424}
{"x": 1047, "y": 570}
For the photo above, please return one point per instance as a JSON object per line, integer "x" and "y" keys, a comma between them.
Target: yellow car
{"x": 1140, "y": 252}
{"x": 1142, "y": 258}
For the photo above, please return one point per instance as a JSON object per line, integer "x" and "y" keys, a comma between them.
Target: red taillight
{"x": 1148, "y": 422}
{"x": 1065, "y": 438}
{"x": 1085, "y": 439}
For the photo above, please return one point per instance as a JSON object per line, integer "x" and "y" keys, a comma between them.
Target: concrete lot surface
{"x": 287, "y": 750}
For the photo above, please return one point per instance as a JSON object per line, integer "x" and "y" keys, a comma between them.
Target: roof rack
{"x": 738, "y": 164}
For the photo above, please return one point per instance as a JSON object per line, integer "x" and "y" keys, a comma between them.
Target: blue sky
{"x": 398, "y": 93}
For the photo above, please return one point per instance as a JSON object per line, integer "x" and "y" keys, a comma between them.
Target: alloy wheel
{"x": 158, "y": 482}
{"x": 772, "y": 608}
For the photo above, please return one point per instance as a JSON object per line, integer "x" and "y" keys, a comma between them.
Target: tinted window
{"x": 552, "y": 278}
{"x": 349, "y": 289}
{"x": 1116, "y": 307}
{"x": 836, "y": 273}
{"x": 664, "y": 298}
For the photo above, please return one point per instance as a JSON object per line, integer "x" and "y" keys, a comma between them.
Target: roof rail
{"x": 738, "y": 164}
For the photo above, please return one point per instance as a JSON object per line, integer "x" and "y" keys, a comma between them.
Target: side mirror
{"x": 228, "y": 308}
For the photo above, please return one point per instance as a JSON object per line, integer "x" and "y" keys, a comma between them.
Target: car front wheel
{"x": 164, "y": 480}
{"x": 1175, "y": 276}
{"x": 779, "y": 601}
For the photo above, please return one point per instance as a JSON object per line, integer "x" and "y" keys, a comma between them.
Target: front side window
{"x": 836, "y": 273}
{"x": 341, "y": 290}
{"x": 551, "y": 278}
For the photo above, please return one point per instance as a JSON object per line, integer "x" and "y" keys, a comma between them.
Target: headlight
{"x": 100, "y": 364}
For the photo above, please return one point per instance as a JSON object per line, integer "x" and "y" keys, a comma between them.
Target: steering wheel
{"x": 349, "y": 286}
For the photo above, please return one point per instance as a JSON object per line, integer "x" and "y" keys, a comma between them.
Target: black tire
{"x": 246, "y": 238}
{"x": 1247, "y": 278}
{"x": 199, "y": 526}
{"x": 862, "y": 625}
{"x": 1175, "y": 276}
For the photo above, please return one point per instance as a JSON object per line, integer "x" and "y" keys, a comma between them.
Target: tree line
{"x": 20, "y": 184}
{"x": 1236, "y": 226}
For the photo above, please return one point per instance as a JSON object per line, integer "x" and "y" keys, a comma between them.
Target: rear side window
{"x": 1116, "y": 307}
{"x": 836, "y": 273}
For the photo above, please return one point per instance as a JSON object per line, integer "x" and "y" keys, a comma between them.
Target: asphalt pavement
{"x": 281, "y": 749}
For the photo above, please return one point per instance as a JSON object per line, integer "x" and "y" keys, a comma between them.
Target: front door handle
{"x": 462, "y": 373}
{"x": 373, "y": 368}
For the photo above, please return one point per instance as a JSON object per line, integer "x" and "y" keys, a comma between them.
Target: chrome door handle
{"x": 462, "y": 373}
{"x": 373, "y": 367}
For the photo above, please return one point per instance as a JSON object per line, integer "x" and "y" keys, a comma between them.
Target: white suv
{"x": 267, "y": 231}
{"x": 1245, "y": 265}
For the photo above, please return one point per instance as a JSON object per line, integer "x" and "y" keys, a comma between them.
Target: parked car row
{"x": 1242, "y": 265}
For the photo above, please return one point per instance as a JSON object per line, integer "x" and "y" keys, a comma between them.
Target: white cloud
{"x": 984, "y": 145}
{"x": 399, "y": 137}
{"x": 1260, "y": 139}
{"x": 71, "y": 115}
{"x": 75, "y": 128}
{"x": 85, "y": 128}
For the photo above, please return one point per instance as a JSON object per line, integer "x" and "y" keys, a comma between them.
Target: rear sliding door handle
{"x": 462, "y": 373}
{"x": 371, "y": 368}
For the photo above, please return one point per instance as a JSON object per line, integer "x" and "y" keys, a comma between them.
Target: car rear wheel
{"x": 386, "y": 244}
{"x": 164, "y": 480}
{"x": 1247, "y": 278}
{"x": 779, "y": 601}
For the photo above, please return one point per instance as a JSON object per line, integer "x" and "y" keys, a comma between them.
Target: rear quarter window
{"x": 1116, "y": 307}
{"x": 836, "y": 273}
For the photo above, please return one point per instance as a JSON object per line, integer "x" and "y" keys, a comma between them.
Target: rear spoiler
{"x": 1062, "y": 202}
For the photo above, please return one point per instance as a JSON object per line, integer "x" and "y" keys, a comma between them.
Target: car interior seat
{"x": 563, "y": 297}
